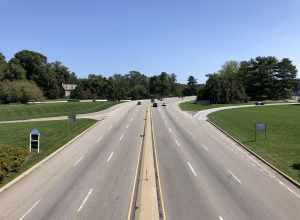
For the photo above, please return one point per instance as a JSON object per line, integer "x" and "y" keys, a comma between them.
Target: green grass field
{"x": 14, "y": 142}
{"x": 27, "y": 111}
{"x": 194, "y": 107}
{"x": 282, "y": 145}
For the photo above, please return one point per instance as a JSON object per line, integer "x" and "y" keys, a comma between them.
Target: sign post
{"x": 34, "y": 137}
{"x": 259, "y": 128}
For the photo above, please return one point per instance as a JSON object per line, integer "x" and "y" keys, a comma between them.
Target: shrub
{"x": 19, "y": 91}
{"x": 11, "y": 160}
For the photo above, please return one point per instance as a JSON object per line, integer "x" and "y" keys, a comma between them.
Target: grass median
{"x": 27, "y": 111}
{"x": 281, "y": 147}
{"x": 14, "y": 142}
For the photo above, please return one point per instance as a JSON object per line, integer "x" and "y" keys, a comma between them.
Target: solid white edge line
{"x": 122, "y": 136}
{"x": 237, "y": 179}
{"x": 78, "y": 161}
{"x": 191, "y": 168}
{"x": 110, "y": 156}
{"x": 85, "y": 200}
{"x": 29, "y": 210}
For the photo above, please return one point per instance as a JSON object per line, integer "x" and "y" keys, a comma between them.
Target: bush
{"x": 19, "y": 91}
{"x": 11, "y": 160}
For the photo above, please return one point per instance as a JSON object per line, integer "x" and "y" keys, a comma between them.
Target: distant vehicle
{"x": 164, "y": 104}
{"x": 152, "y": 100}
{"x": 139, "y": 103}
{"x": 259, "y": 103}
{"x": 154, "y": 104}
{"x": 160, "y": 99}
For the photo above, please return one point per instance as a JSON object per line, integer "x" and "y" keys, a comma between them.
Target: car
{"x": 164, "y": 104}
{"x": 154, "y": 104}
{"x": 139, "y": 103}
{"x": 259, "y": 103}
{"x": 152, "y": 100}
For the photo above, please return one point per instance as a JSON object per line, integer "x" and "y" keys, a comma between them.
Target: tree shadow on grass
{"x": 296, "y": 166}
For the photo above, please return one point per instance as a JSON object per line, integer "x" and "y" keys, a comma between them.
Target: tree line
{"x": 262, "y": 78}
{"x": 29, "y": 76}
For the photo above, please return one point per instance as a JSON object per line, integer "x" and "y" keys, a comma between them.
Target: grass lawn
{"x": 26, "y": 111}
{"x": 282, "y": 145}
{"x": 194, "y": 107}
{"x": 14, "y": 142}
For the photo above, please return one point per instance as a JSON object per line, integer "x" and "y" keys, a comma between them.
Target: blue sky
{"x": 183, "y": 37}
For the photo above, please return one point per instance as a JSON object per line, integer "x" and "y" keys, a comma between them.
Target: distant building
{"x": 68, "y": 89}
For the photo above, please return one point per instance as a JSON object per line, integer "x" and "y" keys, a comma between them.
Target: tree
{"x": 192, "y": 86}
{"x": 3, "y": 66}
{"x": 19, "y": 91}
{"x": 224, "y": 86}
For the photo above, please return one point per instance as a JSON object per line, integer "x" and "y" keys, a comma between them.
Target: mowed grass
{"x": 194, "y": 107}
{"x": 282, "y": 145}
{"x": 27, "y": 111}
{"x": 54, "y": 134}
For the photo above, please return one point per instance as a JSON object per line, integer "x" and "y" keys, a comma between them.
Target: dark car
{"x": 164, "y": 104}
{"x": 259, "y": 103}
{"x": 154, "y": 104}
{"x": 139, "y": 103}
{"x": 152, "y": 100}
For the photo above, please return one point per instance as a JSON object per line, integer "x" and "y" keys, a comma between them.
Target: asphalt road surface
{"x": 205, "y": 175}
{"x": 90, "y": 179}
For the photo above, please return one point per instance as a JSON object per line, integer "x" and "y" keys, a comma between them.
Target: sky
{"x": 185, "y": 37}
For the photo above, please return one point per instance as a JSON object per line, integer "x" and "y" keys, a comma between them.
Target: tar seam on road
{"x": 29, "y": 210}
{"x": 85, "y": 200}
{"x": 110, "y": 156}
{"x": 191, "y": 168}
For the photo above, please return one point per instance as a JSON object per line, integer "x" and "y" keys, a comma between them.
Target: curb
{"x": 37, "y": 165}
{"x": 161, "y": 205}
{"x": 132, "y": 204}
{"x": 294, "y": 182}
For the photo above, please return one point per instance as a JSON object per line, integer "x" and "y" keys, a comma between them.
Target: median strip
{"x": 146, "y": 203}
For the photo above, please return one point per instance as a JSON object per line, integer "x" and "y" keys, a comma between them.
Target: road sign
{"x": 72, "y": 118}
{"x": 34, "y": 137}
{"x": 260, "y": 128}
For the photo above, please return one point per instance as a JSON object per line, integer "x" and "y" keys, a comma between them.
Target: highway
{"x": 205, "y": 175}
{"x": 90, "y": 179}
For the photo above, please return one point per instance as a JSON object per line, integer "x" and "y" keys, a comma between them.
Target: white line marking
{"x": 190, "y": 133}
{"x": 204, "y": 147}
{"x": 191, "y": 168}
{"x": 170, "y": 130}
{"x": 220, "y": 217}
{"x": 110, "y": 156}
{"x": 127, "y": 126}
{"x": 29, "y": 210}
{"x": 99, "y": 139}
{"x": 237, "y": 179}
{"x": 78, "y": 161}
{"x": 178, "y": 144}
{"x": 121, "y": 137}
{"x": 85, "y": 199}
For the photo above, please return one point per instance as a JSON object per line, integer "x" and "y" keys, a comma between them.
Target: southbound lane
{"x": 205, "y": 175}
